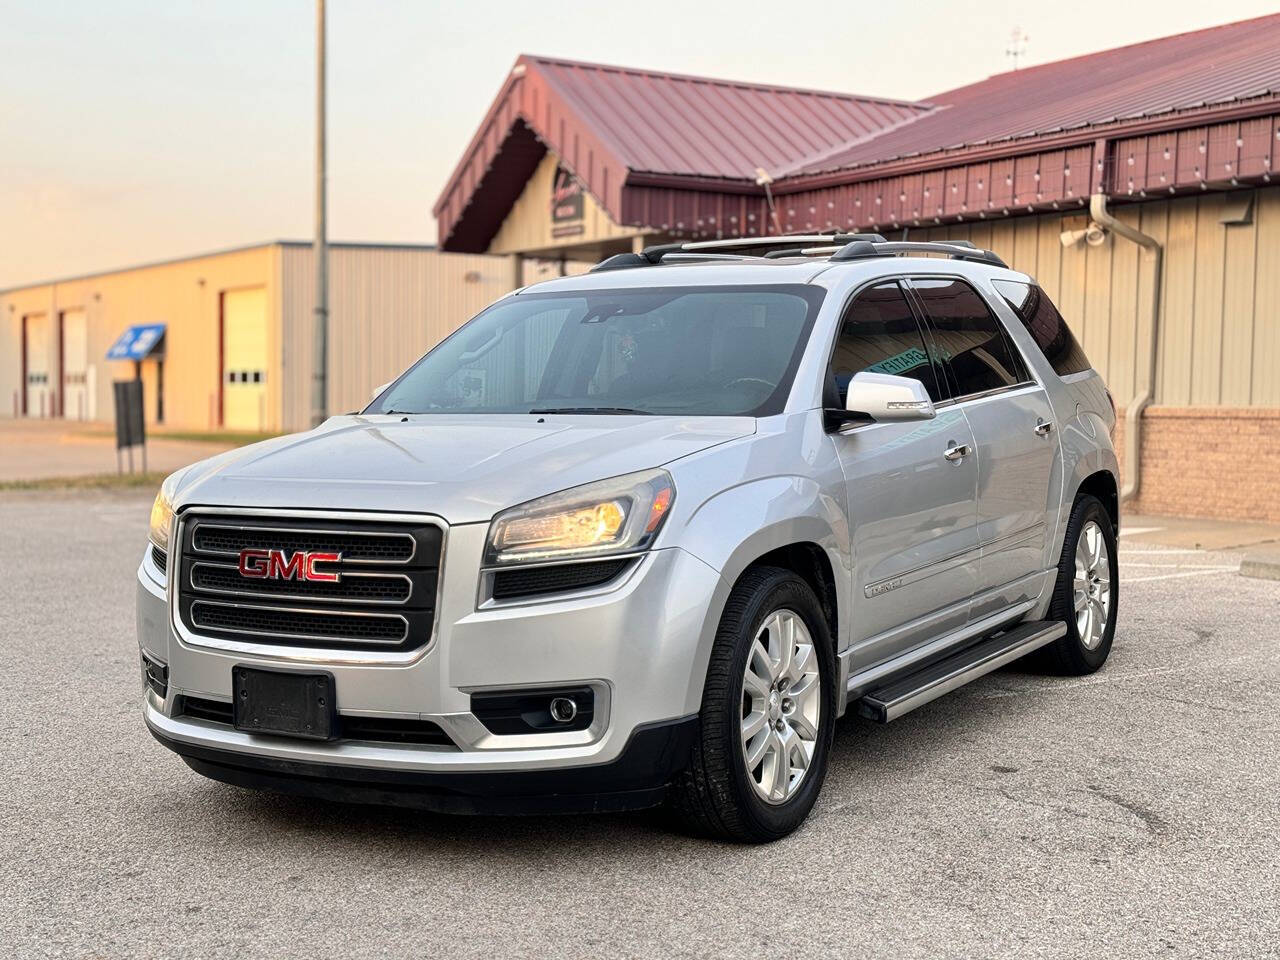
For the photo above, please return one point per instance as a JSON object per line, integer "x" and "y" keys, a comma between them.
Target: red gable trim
{"x": 528, "y": 118}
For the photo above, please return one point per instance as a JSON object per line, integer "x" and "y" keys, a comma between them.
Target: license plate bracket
{"x": 284, "y": 703}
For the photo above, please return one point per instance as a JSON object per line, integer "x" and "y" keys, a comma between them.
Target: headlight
{"x": 620, "y": 515}
{"x": 162, "y": 511}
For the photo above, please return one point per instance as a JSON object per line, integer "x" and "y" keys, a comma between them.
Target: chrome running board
{"x": 916, "y": 689}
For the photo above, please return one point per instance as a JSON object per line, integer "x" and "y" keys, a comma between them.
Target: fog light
{"x": 563, "y": 710}
{"x": 534, "y": 710}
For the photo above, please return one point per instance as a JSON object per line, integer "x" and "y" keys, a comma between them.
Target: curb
{"x": 1261, "y": 568}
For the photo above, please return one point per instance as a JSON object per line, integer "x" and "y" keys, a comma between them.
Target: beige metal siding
{"x": 1266, "y": 300}
{"x": 1220, "y": 313}
{"x": 387, "y": 307}
{"x": 529, "y": 226}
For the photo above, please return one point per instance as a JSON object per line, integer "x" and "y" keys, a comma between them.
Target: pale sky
{"x": 134, "y": 131}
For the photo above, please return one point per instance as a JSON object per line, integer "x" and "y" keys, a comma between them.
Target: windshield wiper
{"x": 616, "y": 410}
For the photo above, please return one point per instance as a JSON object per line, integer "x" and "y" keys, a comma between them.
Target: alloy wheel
{"x": 1092, "y": 588}
{"x": 781, "y": 706}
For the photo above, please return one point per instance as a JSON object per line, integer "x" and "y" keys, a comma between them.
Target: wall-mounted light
{"x": 1094, "y": 235}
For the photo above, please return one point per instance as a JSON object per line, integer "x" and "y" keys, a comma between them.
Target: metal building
{"x": 1178, "y": 138}
{"x": 223, "y": 341}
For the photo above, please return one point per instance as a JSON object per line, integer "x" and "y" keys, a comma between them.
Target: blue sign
{"x": 136, "y": 343}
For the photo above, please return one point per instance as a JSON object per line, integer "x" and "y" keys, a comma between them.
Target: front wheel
{"x": 767, "y": 714}
{"x": 1087, "y": 593}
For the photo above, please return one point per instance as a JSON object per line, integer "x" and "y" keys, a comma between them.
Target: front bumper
{"x": 642, "y": 644}
{"x": 635, "y": 780}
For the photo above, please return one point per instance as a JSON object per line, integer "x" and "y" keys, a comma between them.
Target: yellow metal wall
{"x": 183, "y": 294}
{"x": 1220, "y": 312}
{"x": 387, "y": 307}
{"x": 528, "y": 226}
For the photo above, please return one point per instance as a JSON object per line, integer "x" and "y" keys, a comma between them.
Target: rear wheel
{"x": 1087, "y": 593}
{"x": 767, "y": 714}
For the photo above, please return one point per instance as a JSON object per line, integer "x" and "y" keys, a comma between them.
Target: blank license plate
{"x": 285, "y": 704}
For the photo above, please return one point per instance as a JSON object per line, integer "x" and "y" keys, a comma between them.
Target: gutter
{"x": 1133, "y": 413}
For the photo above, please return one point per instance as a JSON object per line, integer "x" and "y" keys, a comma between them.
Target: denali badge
{"x": 273, "y": 565}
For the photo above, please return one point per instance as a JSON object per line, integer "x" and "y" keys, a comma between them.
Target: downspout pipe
{"x": 1133, "y": 413}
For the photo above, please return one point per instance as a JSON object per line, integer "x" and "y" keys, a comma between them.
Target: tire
{"x": 1073, "y": 655}
{"x": 716, "y": 795}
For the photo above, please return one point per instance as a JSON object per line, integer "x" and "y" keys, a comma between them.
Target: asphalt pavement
{"x": 1133, "y": 813}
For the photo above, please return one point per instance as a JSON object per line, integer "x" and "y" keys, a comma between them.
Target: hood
{"x": 462, "y": 468}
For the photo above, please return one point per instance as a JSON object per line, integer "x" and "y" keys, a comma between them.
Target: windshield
{"x": 727, "y": 351}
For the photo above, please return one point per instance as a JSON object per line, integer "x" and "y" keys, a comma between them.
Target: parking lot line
{"x": 1177, "y": 576}
{"x": 1180, "y": 566}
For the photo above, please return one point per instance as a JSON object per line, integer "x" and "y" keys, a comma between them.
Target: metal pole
{"x": 320, "y": 356}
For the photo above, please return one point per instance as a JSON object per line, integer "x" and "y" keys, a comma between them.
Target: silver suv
{"x": 643, "y": 535}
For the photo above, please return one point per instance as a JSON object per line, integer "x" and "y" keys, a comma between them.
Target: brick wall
{"x": 1221, "y": 462}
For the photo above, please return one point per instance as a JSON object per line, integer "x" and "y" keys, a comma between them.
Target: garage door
{"x": 38, "y": 352}
{"x": 77, "y": 397}
{"x": 244, "y": 359}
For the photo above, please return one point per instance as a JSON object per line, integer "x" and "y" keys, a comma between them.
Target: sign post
{"x": 131, "y": 430}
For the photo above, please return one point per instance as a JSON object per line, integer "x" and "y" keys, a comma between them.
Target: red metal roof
{"x": 694, "y": 126}
{"x": 1219, "y": 65}
{"x": 678, "y": 154}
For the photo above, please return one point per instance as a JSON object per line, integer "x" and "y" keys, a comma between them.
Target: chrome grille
{"x": 355, "y": 587}
{"x": 228, "y": 539}
{"x": 298, "y": 624}
{"x": 383, "y": 597}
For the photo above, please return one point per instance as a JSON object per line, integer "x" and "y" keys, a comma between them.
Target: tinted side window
{"x": 969, "y": 339}
{"x": 1045, "y": 323}
{"x": 880, "y": 334}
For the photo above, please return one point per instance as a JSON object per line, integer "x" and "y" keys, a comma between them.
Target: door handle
{"x": 957, "y": 451}
{"x": 1043, "y": 427}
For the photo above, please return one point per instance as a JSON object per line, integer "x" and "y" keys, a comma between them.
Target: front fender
{"x": 737, "y": 526}
{"x": 730, "y": 511}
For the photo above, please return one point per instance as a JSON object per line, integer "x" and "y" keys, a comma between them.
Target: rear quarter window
{"x": 1045, "y": 324}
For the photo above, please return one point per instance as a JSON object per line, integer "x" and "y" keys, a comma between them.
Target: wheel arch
{"x": 1103, "y": 485}
{"x": 807, "y": 560}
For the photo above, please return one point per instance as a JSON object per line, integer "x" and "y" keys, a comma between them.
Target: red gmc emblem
{"x": 275, "y": 565}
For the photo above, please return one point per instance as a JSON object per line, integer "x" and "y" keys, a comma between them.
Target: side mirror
{"x": 884, "y": 398}
{"x": 377, "y": 391}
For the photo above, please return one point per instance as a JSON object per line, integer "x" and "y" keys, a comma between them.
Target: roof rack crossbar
{"x": 803, "y": 252}
{"x": 797, "y": 240}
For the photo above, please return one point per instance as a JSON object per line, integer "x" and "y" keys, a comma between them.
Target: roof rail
{"x": 961, "y": 250}
{"x": 655, "y": 254}
{"x": 840, "y": 246}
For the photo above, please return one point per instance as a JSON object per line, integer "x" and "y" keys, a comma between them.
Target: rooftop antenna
{"x": 1017, "y": 48}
